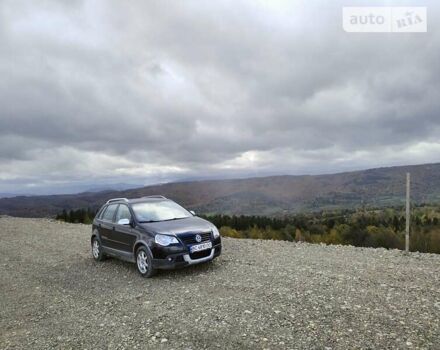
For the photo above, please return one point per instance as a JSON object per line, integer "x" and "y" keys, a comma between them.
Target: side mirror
{"x": 193, "y": 212}
{"x": 124, "y": 222}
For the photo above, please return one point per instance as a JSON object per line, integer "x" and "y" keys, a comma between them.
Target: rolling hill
{"x": 261, "y": 195}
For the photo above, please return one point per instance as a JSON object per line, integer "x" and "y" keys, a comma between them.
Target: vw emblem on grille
{"x": 198, "y": 238}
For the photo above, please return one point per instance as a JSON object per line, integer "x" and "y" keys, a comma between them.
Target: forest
{"x": 361, "y": 228}
{"x": 368, "y": 227}
{"x": 78, "y": 216}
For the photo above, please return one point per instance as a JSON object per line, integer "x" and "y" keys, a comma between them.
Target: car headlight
{"x": 165, "y": 240}
{"x": 215, "y": 232}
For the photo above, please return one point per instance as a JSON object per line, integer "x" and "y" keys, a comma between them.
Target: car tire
{"x": 97, "y": 251}
{"x": 144, "y": 262}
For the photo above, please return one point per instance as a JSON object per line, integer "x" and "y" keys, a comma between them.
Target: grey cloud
{"x": 192, "y": 86}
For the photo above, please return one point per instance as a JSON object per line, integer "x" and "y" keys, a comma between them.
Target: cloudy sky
{"x": 98, "y": 92}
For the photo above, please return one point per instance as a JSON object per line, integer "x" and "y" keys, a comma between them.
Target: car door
{"x": 124, "y": 235}
{"x": 106, "y": 226}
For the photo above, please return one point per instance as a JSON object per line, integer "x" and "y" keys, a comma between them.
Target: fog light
{"x": 170, "y": 259}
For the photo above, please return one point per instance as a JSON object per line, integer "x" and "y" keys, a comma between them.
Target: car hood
{"x": 177, "y": 227}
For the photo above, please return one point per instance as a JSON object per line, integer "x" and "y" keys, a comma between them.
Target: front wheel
{"x": 97, "y": 252}
{"x": 144, "y": 262}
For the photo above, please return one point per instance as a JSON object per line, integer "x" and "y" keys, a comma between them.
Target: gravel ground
{"x": 257, "y": 295}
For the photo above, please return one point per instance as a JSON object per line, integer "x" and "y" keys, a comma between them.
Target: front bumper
{"x": 182, "y": 259}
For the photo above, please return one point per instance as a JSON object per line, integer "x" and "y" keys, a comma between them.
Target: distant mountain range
{"x": 71, "y": 188}
{"x": 260, "y": 195}
{"x": 8, "y": 195}
{"x": 112, "y": 187}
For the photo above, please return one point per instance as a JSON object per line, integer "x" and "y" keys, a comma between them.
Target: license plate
{"x": 199, "y": 247}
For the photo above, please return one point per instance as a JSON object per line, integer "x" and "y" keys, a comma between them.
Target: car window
{"x": 159, "y": 211}
{"x": 123, "y": 213}
{"x": 101, "y": 212}
{"x": 109, "y": 213}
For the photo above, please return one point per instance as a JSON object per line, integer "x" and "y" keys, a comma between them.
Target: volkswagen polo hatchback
{"x": 154, "y": 232}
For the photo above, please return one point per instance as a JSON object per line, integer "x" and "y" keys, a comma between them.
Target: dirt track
{"x": 257, "y": 295}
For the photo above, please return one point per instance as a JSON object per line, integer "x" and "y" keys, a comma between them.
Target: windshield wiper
{"x": 172, "y": 219}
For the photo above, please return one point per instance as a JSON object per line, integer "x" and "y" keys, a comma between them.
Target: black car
{"x": 154, "y": 232}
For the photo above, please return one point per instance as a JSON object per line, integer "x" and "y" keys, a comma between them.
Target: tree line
{"x": 361, "y": 228}
{"x": 78, "y": 216}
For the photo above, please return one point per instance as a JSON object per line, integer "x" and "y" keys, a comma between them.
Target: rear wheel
{"x": 97, "y": 252}
{"x": 144, "y": 262}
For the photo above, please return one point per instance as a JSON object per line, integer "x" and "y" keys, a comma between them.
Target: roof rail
{"x": 155, "y": 196}
{"x": 117, "y": 200}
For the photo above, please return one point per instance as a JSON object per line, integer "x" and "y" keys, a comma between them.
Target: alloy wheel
{"x": 95, "y": 249}
{"x": 142, "y": 262}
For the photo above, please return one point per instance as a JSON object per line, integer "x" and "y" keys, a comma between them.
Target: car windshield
{"x": 159, "y": 211}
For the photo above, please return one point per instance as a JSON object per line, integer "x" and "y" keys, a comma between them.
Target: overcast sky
{"x": 95, "y": 92}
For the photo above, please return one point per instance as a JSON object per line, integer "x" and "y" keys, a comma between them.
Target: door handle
{"x": 113, "y": 228}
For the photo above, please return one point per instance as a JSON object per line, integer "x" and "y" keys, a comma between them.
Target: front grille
{"x": 201, "y": 254}
{"x": 191, "y": 238}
